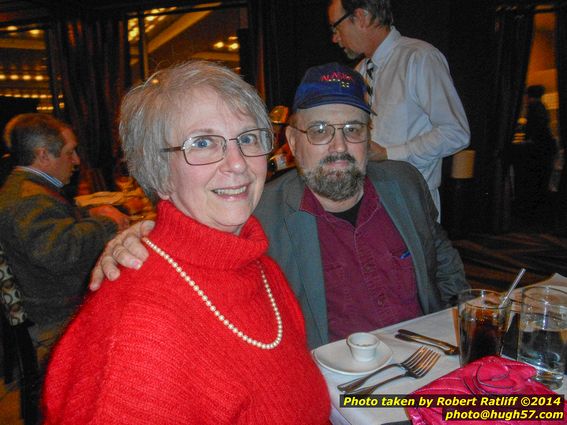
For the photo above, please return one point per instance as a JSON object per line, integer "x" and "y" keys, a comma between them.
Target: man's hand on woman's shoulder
{"x": 126, "y": 249}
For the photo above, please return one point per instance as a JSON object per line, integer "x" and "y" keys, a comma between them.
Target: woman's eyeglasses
{"x": 211, "y": 148}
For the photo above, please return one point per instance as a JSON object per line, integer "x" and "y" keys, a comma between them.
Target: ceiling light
{"x": 233, "y": 46}
{"x": 218, "y": 45}
{"x": 35, "y": 32}
{"x": 12, "y": 28}
{"x": 14, "y": 77}
{"x": 39, "y": 78}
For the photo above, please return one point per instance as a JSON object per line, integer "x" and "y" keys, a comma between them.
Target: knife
{"x": 448, "y": 351}
{"x": 417, "y": 336}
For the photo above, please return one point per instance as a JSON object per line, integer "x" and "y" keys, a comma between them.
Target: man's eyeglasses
{"x": 322, "y": 134}
{"x": 211, "y": 148}
{"x": 338, "y": 21}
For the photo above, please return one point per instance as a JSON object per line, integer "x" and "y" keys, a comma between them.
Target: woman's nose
{"x": 234, "y": 159}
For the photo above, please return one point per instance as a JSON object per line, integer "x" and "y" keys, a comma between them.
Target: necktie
{"x": 369, "y": 79}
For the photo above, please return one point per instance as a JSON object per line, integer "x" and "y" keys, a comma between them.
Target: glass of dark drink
{"x": 483, "y": 321}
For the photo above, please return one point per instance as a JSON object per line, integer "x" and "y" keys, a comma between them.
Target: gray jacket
{"x": 294, "y": 243}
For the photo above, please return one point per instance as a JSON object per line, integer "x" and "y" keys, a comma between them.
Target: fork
{"x": 406, "y": 364}
{"x": 417, "y": 371}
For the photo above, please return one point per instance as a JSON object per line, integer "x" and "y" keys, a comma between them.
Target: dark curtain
{"x": 288, "y": 36}
{"x": 261, "y": 14}
{"x": 514, "y": 30}
{"x": 561, "y": 60}
{"x": 276, "y": 27}
{"x": 92, "y": 57}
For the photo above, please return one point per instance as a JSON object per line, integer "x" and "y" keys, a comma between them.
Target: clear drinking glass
{"x": 542, "y": 339}
{"x": 482, "y": 323}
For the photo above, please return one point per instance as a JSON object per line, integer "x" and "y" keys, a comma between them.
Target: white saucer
{"x": 336, "y": 356}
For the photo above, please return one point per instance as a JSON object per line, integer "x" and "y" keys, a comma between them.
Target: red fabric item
{"x": 490, "y": 375}
{"x": 146, "y": 349}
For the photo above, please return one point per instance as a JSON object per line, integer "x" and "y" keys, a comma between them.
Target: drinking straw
{"x": 512, "y": 287}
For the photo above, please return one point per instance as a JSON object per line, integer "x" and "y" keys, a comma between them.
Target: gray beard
{"x": 332, "y": 184}
{"x": 351, "y": 54}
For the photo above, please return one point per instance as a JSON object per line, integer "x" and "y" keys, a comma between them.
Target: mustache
{"x": 344, "y": 156}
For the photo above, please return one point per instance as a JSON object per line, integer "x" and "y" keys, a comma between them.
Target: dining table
{"x": 442, "y": 325}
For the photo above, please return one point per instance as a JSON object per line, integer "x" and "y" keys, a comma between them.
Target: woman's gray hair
{"x": 151, "y": 111}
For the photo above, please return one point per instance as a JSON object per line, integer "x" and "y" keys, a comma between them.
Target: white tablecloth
{"x": 441, "y": 325}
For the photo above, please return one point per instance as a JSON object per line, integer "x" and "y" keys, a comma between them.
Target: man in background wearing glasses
{"x": 357, "y": 240}
{"x": 419, "y": 116}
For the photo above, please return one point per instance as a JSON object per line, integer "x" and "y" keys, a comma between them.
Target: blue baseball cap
{"x": 331, "y": 83}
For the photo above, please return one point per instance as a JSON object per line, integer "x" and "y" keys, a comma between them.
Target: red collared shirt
{"x": 368, "y": 271}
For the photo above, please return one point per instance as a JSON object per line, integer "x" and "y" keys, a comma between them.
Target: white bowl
{"x": 363, "y": 346}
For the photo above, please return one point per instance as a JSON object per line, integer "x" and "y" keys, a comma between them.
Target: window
{"x": 24, "y": 66}
{"x": 173, "y": 35}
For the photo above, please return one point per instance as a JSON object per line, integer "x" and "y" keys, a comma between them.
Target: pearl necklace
{"x": 215, "y": 311}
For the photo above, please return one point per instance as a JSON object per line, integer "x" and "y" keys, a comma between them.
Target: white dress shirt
{"x": 419, "y": 116}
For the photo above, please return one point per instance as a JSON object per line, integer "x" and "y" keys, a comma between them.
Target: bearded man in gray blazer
{"x": 304, "y": 210}
{"x": 357, "y": 240}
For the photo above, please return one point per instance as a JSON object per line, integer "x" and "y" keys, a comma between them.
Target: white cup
{"x": 363, "y": 346}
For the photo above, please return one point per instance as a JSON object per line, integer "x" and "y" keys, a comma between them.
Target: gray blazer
{"x": 294, "y": 242}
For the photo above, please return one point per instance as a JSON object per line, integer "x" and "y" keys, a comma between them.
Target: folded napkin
{"x": 490, "y": 375}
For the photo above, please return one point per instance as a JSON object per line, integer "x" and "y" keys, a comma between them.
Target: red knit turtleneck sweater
{"x": 146, "y": 349}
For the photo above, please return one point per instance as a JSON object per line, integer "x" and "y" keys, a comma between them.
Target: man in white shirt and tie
{"x": 419, "y": 116}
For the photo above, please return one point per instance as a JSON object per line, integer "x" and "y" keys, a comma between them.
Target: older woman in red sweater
{"x": 207, "y": 331}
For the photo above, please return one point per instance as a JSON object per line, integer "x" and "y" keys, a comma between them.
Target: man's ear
{"x": 363, "y": 17}
{"x": 42, "y": 156}
{"x": 290, "y": 137}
